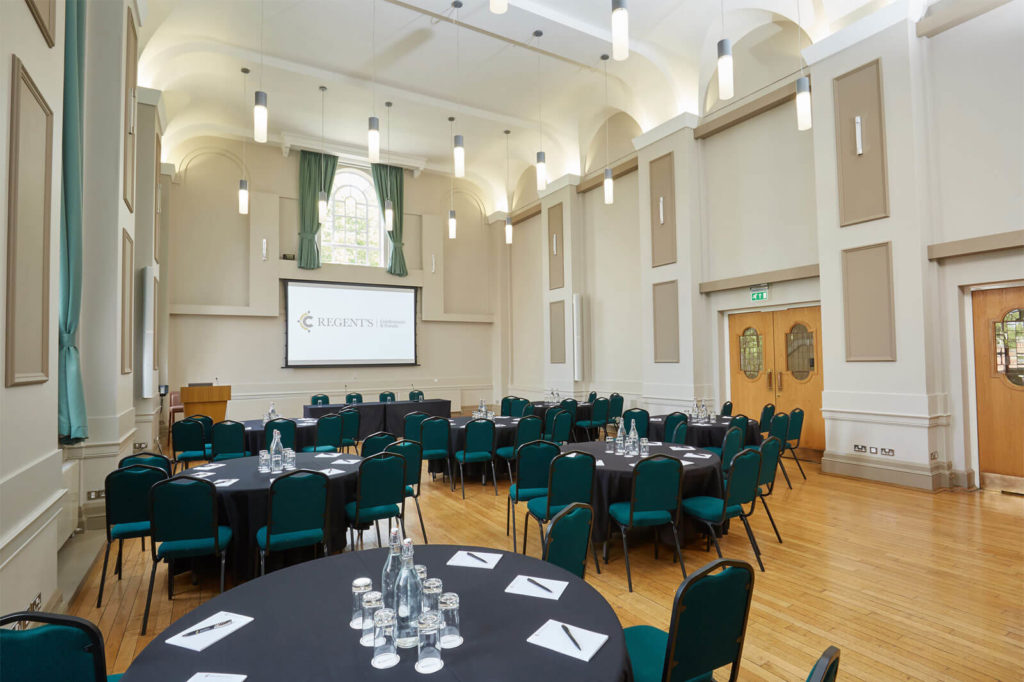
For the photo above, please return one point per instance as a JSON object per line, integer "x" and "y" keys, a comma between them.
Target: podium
{"x": 209, "y": 400}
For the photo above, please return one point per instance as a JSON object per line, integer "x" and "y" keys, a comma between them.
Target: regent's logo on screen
{"x": 308, "y": 321}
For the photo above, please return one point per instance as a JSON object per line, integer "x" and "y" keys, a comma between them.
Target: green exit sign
{"x": 759, "y": 293}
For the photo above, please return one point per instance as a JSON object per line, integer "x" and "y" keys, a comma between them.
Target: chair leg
{"x": 170, "y": 578}
{"x": 149, "y": 597}
{"x": 420, "y": 514}
{"x": 526, "y": 528}
{"x": 508, "y": 512}
{"x": 401, "y": 522}
{"x": 543, "y": 537}
{"x": 714, "y": 537}
{"x": 263, "y": 562}
{"x": 103, "y": 575}
{"x": 753, "y": 542}
{"x": 462, "y": 480}
{"x": 512, "y": 513}
{"x": 118, "y": 567}
{"x": 508, "y": 462}
{"x": 679, "y": 553}
{"x": 764, "y": 503}
{"x": 494, "y": 475}
{"x": 597, "y": 564}
{"x": 783, "y": 467}
{"x": 625, "y": 550}
{"x": 604, "y": 551}
{"x": 143, "y": 543}
{"x": 797, "y": 460}
{"x": 223, "y": 563}
{"x": 376, "y": 529}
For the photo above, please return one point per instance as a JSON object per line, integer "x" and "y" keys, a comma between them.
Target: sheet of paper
{"x": 463, "y": 558}
{"x": 216, "y": 677}
{"x": 682, "y": 448}
{"x": 225, "y": 482}
{"x": 330, "y": 455}
{"x": 699, "y": 455}
{"x": 551, "y": 636}
{"x": 600, "y": 462}
{"x": 331, "y": 471}
{"x": 199, "y": 474}
{"x": 686, "y": 462}
{"x": 211, "y": 466}
{"x": 205, "y": 639}
{"x": 654, "y": 442}
{"x": 522, "y": 585}
{"x": 346, "y": 461}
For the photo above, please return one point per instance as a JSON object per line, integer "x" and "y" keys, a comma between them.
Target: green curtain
{"x": 316, "y": 173}
{"x": 389, "y": 182}
{"x": 71, "y": 419}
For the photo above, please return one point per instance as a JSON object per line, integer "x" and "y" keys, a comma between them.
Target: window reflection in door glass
{"x": 751, "y": 353}
{"x": 800, "y": 352}
{"x": 1009, "y": 340}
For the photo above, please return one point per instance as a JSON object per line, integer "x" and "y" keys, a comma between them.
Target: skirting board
{"x": 936, "y": 476}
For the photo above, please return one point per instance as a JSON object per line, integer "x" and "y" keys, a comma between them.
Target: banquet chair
{"x": 592, "y": 396}
{"x": 527, "y": 430}
{"x": 349, "y": 428}
{"x": 435, "y": 438}
{"x": 549, "y": 422}
{"x": 183, "y": 519}
{"x": 570, "y": 479}
{"x": 569, "y": 537}
{"x": 506, "y": 405}
{"x": 678, "y": 436}
{"x": 742, "y": 422}
{"x": 228, "y": 441}
{"x": 533, "y": 466}
{"x": 641, "y": 417}
{"x": 779, "y": 428}
{"x": 657, "y": 490}
{"x": 286, "y": 427}
{"x": 150, "y": 459}
{"x": 63, "y": 649}
{"x": 375, "y": 443}
{"x": 827, "y": 667}
{"x": 614, "y": 408}
{"x": 386, "y": 396}
{"x": 740, "y": 489}
{"x": 792, "y": 441}
{"x": 522, "y": 407}
{"x": 562, "y": 427}
{"x": 771, "y": 450}
{"x": 479, "y": 448}
{"x": 177, "y": 408}
{"x": 126, "y": 499}
{"x": 570, "y": 405}
{"x": 411, "y": 425}
{"x": 598, "y": 417}
{"x": 415, "y": 395}
{"x": 187, "y": 442}
{"x": 706, "y": 629}
{"x": 297, "y": 505}
{"x": 732, "y": 443}
{"x": 353, "y": 398}
{"x": 767, "y": 412}
{"x": 412, "y": 451}
{"x": 672, "y": 422}
{"x": 328, "y": 434}
{"x": 320, "y": 399}
{"x": 207, "y": 423}
{"x": 727, "y": 408}
{"x": 380, "y": 493}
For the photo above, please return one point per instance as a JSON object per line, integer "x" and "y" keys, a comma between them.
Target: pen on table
{"x": 207, "y": 628}
{"x": 540, "y": 585}
{"x": 565, "y": 629}
{"x": 477, "y": 557}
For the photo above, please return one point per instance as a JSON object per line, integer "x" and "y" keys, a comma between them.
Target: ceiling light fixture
{"x": 499, "y": 6}
{"x": 620, "y": 30}
{"x": 508, "y": 210}
{"x": 389, "y": 207}
{"x": 243, "y": 184}
{"x": 542, "y": 166}
{"x": 451, "y": 195}
{"x": 609, "y": 182}
{"x": 458, "y": 146}
{"x": 373, "y": 129}
{"x": 725, "y": 80}
{"x": 259, "y": 108}
{"x": 321, "y": 200}
{"x": 803, "y": 84}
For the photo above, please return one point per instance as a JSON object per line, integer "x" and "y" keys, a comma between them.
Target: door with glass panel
{"x": 999, "y": 385}
{"x": 752, "y": 362}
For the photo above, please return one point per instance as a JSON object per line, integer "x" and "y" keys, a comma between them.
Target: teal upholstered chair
{"x": 320, "y": 399}
{"x": 479, "y": 448}
{"x": 207, "y": 423}
{"x": 435, "y": 439}
{"x": 506, "y": 405}
{"x": 740, "y": 421}
{"x": 63, "y": 649}
{"x": 592, "y": 396}
{"x": 672, "y": 422}
{"x": 187, "y": 443}
{"x": 561, "y": 429}
{"x": 183, "y": 520}
{"x": 386, "y": 397}
{"x": 286, "y": 427}
{"x": 598, "y": 417}
{"x": 792, "y": 442}
{"x": 353, "y": 398}
{"x": 615, "y": 408}
{"x": 533, "y": 466}
{"x": 228, "y": 441}
{"x": 150, "y": 459}
{"x": 126, "y": 497}
{"x": 731, "y": 446}
{"x": 654, "y": 501}
{"x": 328, "y": 434}
{"x": 706, "y": 630}
{"x": 349, "y": 428}
{"x": 570, "y": 405}
{"x": 297, "y": 504}
{"x": 521, "y": 407}
{"x": 727, "y": 408}
{"x": 549, "y": 422}
{"x": 740, "y": 489}
{"x": 569, "y": 538}
{"x": 411, "y": 425}
{"x": 827, "y": 667}
{"x": 413, "y": 454}
{"x": 570, "y": 479}
{"x": 527, "y": 430}
{"x": 678, "y": 435}
{"x": 376, "y": 443}
{"x": 765, "y": 422}
{"x": 779, "y": 428}
{"x": 771, "y": 450}
{"x": 642, "y": 418}
{"x": 380, "y": 492}
{"x": 415, "y": 395}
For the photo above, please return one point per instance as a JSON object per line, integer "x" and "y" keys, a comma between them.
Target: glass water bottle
{"x": 409, "y": 600}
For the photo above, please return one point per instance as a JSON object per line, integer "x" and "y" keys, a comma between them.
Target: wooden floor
{"x": 908, "y": 584}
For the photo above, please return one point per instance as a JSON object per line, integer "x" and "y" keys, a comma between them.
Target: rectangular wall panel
{"x": 860, "y": 145}
{"x": 663, "y": 211}
{"x": 868, "y": 304}
{"x": 557, "y": 325}
{"x": 556, "y": 250}
{"x": 666, "y": 321}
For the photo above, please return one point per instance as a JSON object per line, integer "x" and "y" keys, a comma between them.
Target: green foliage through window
{"x": 352, "y": 234}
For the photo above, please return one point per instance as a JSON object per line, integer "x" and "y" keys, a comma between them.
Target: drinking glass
{"x": 431, "y": 594}
{"x": 360, "y": 586}
{"x": 385, "y": 653}
{"x": 289, "y": 459}
{"x": 645, "y": 447}
{"x": 609, "y": 446}
{"x": 429, "y": 659}
{"x": 421, "y": 571}
{"x": 263, "y": 463}
{"x": 451, "y": 636}
{"x": 372, "y": 603}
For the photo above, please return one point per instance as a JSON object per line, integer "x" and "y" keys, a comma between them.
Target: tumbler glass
{"x": 289, "y": 459}
{"x": 645, "y": 447}
{"x": 451, "y": 635}
{"x": 372, "y": 603}
{"x": 421, "y": 571}
{"x": 385, "y": 653}
{"x": 360, "y": 586}
{"x": 429, "y": 659}
{"x": 431, "y": 594}
{"x": 609, "y": 446}
{"x": 263, "y": 463}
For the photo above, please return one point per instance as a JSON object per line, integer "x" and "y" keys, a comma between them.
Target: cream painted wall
{"x": 529, "y": 345}
{"x": 621, "y": 129}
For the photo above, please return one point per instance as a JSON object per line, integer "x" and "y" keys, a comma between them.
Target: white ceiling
{"x": 193, "y": 51}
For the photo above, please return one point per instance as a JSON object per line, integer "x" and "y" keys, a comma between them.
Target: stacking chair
{"x": 286, "y": 427}
{"x": 527, "y": 431}
{"x": 320, "y": 399}
{"x": 771, "y": 450}
{"x": 386, "y": 396}
{"x": 706, "y": 630}
{"x": 353, "y": 398}
{"x": 549, "y": 422}
{"x": 183, "y": 519}
{"x": 297, "y": 504}
{"x": 779, "y": 429}
{"x": 569, "y": 537}
{"x": 570, "y": 479}
{"x": 592, "y": 396}
{"x": 150, "y": 459}
{"x": 126, "y": 497}
{"x": 479, "y": 448}
{"x": 672, "y": 422}
{"x": 328, "y": 434}
{"x": 562, "y": 427}
{"x": 727, "y": 408}
{"x": 570, "y": 405}
{"x": 63, "y": 649}
{"x": 792, "y": 442}
{"x": 207, "y": 423}
{"x": 533, "y": 465}
{"x": 654, "y": 501}
{"x": 411, "y": 425}
{"x": 678, "y": 436}
{"x": 187, "y": 442}
{"x": 740, "y": 489}
{"x": 741, "y": 422}
{"x": 435, "y": 439}
{"x": 413, "y": 454}
{"x": 598, "y": 417}
{"x": 228, "y": 440}
{"x": 522, "y": 407}
{"x": 349, "y": 428}
{"x": 614, "y": 408}
{"x": 177, "y": 408}
{"x": 641, "y": 417}
{"x": 506, "y": 405}
{"x": 380, "y": 493}
{"x": 415, "y": 395}
{"x": 376, "y": 443}
{"x": 767, "y": 412}
{"x": 731, "y": 446}
{"x": 827, "y": 667}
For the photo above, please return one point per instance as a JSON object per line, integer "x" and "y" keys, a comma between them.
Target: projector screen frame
{"x": 415, "y": 321}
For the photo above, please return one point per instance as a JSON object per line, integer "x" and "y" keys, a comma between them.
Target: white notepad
{"x": 331, "y": 471}
{"x": 551, "y": 636}
{"x": 216, "y": 677}
{"x": 682, "y": 448}
{"x": 522, "y": 585}
{"x": 699, "y": 455}
{"x": 207, "y": 467}
{"x": 463, "y": 558}
{"x": 346, "y": 461}
{"x": 200, "y": 474}
{"x": 225, "y": 482}
{"x": 205, "y": 639}
{"x": 332, "y": 455}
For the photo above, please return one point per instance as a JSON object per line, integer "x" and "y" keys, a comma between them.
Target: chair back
{"x": 571, "y": 479}
{"x": 743, "y": 478}
{"x": 328, "y": 431}
{"x": 287, "y": 429}
{"x": 796, "y": 426}
{"x": 381, "y": 480}
{"x": 506, "y": 405}
{"x": 562, "y": 427}
{"x": 150, "y": 459}
{"x": 321, "y": 399}
{"x": 779, "y": 427}
{"x": 521, "y": 407}
{"x": 614, "y": 406}
{"x": 740, "y": 421}
{"x": 731, "y": 445}
{"x": 353, "y": 398}
{"x": 657, "y": 485}
{"x": 678, "y": 436}
{"x": 298, "y": 501}
{"x": 727, "y": 408}
{"x": 183, "y": 508}
{"x": 827, "y": 667}
{"x": 570, "y": 405}
{"x": 376, "y": 443}
{"x": 599, "y": 411}
{"x": 549, "y": 419}
{"x": 528, "y": 430}
{"x": 228, "y": 438}
{"x": 568, "y": 538}
{"x": 187, "y": 435}
{"x": 435, "y": 433}
{"x": 63, "y": 648}
{"x": 386, "y": 396}
{"x": 767, "y": 412}
{"x": 641, "y": 417}
{"x": 413, "y": 454}
{"x": 126, "y": 493}
{"x": 207, "y": 423}
{"x": 411, "y": 425}
{"x": 176, "y": 399}
{"x": 533, "y": 464}
{"x": 672, "y": 422}
{"x": 480, "y": 436}
{"x": 592, "y": 396}
{"x": 771, "y": 450}
{"x": 709, "y": 621}
{"x": 349, "y": 425}
{"x": 415, "y": 395}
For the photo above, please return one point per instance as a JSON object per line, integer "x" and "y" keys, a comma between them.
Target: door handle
{"x": 769, "y": 379}
{"x": 778, "y": 382}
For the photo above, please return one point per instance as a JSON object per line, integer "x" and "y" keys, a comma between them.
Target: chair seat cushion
{"x": 298, "y": 538}
{"x": 191, "y": 455}
{"x": 221, "y": 456}
{"x": 319, "y": 448}
{"x": 348, "y": 442}
{"x": 136, "y": 529}
{"x": 473, "y": 456}
{"x": 435, "y": 454}
{"x": 717, "y": 451}
{"x": 410, "y": 491}
{"x": 538, "y": 506}
{"x": 384, "y": 511}
{"x": 709, "y": 508}
{"x": 507, "y": 452}
{"x": 646, "y": 647}
{"x": 518, "y": 495}
{"x": 209, "y": 448}
{"x": 620, "y": 512}
{"x": 589, "y": 424}
{"x": 177, "y": 549}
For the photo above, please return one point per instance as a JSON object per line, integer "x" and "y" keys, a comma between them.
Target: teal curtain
{"x": 71, "y": 420}
{"x": 389, "y": 182}
{"x": 316, "y": 173}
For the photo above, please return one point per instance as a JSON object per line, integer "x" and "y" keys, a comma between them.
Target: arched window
{"x": 353, "y": 232}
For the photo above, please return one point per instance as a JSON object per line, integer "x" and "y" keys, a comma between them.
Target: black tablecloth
{"x": 243, "y": 504}
{"x": 705, "y": 434}
{"x": 376, "y": 416}
{"x": 541, "y": 407}
{"x": 300, "y": 629}
{"x": 305, "y": 434}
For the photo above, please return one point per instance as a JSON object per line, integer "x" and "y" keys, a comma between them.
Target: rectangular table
{"x": 378, "y": 416}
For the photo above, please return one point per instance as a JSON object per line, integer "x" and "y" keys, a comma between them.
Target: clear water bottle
{"x": 408, "y": 599}
{"x": 620, "y": 438}
{"x": 272, "y": 413}
{"x": 276, "y": 454}
{"x": 392, "y": 567}
{"x": 634, "y": 439}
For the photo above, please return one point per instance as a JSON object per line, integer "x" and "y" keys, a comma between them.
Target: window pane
{"x": 800, "y": 352}
{"x": 751, "y": 353}
{"x": 1009, "y": 340}
{"x": 351, "y": 233}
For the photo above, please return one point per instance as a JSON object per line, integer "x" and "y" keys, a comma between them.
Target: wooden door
{"x": 999, "y": 383}
{"x": 751, "y": 367}
{"x": 798, "y": 381}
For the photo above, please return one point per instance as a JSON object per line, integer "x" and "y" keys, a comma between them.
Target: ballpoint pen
{"x": 207, "y": 628}
{"x": 565, "y": 629}
{"x": 540, "y": 585}
{"x": 477, "y": 557}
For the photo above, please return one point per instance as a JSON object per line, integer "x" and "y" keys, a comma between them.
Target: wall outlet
{"x": 140, "y": 446}
{"x": 95, "y": 495}
{"x": 888, "y": 452}
{"x": 860, "y": 448}
{"x": 873, "y": 450}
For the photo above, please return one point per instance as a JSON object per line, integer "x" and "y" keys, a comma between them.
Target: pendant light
{"x": 620, "y": 30}
{"x": 321, "y": 201}
{"x": 373, "y": 129}
{"x": 609, "y": 182}
{"x": 803, "y": 84}
{"x": 458, "y": 146}
{"x": 725, "y": 80}
{"x": 243, "y": 184}
{"x": 389, "y": 207}
{"x": 499, "y": 6}
{"x": 259, "y": 108}
{"x": 451, "y": 195}
{"x": 542, "y": 167}
{"x": 508, "y": 211}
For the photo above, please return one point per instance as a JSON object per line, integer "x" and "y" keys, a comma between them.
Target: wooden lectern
{"x": 209, "y": 400}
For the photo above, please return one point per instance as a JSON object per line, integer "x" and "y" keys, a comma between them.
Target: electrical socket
{"x": 140, "y": 446}
{"x": 95, "y": 495}
{"x": 888, "y": 452}
{"x": 860, "y": 448}
{"x": 873, "y": 450}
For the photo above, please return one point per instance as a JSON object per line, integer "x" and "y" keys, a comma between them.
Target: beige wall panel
{"x": 666, "y": 321}
{"x": 131, "y": 70}
{"x": 556, "y": 248}
{"x": 663, "y": 210}
{"x": 412, "y": 237}
{"x": 557, "y": 327}
{"x": 468, "y": 261}
{"x": 863, "y": 175}
{"x": 527, "y": 312}
{"x": 868, "y": 304}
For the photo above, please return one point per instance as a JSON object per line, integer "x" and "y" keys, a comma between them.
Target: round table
{"x": 300, "y": 629}
{"x": 305, "y": 434}
{"x": 704, "y": 434}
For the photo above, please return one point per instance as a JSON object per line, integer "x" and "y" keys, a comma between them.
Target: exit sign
{"x": 759, "y": 293}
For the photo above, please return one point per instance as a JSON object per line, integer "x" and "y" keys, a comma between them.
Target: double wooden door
{"x": 776, "y": 358}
